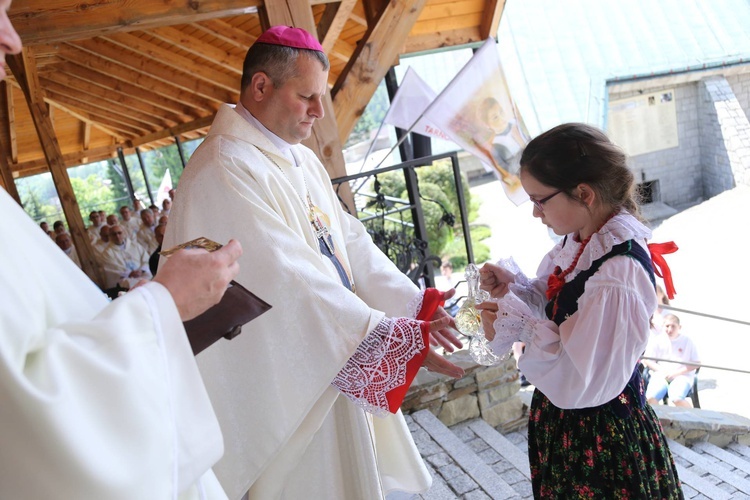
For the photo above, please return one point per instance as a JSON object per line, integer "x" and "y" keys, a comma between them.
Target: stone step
{"x": 456, "y": 464}
{"x": 702, "y": 465}
{"x": 738, "y": 462}
{"x": 503, "y": 446}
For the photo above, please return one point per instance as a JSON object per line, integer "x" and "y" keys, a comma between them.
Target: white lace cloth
{"x": 619, "y": 229}
{"x": 514, "y": 323}
{"x": 379, "y": 363}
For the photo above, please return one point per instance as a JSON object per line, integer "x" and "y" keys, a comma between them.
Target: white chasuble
{"x": 288, "y": 432}
{"x": 100, "y": 400}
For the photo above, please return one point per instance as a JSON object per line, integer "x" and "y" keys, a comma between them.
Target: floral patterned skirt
{"x": 616, "y": 450}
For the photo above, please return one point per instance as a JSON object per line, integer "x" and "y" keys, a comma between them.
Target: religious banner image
{"x": 477, "y": 112}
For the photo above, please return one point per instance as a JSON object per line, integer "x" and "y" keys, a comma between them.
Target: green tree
{"x": 372, "y": 116}
{"x": 93, "y": 193}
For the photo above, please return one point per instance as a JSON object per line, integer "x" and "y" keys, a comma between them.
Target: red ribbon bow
{"x": 658, "y": 250}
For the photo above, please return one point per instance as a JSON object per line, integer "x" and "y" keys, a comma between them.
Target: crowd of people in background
{"x": 126, "y": 246}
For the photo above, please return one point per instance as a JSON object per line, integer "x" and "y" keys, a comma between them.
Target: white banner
{"x": 410, "y": 102}
{"x": 164, "y": 188}
{"x": 477, "y": 112}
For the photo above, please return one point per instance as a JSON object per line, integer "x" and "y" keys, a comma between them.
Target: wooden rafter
{"x": 227, "y": 33}
{"x": 171, "y": 132}
{"x": 200, "y": 48}
{"x": 128, "y": 126}
{"x": 153, "y": 52}
{"x": 170, "y": 109}
{"x": 439, "y": 39}
{"x": 107, "y": 95}
{"x": 86, "y": 118}
{"x": 6, "y": 176}
{"x": 11, "y": 116}
{"x": 39, "y": 22}
{"x": 382, "y": 42}
{"x": 24, "y": 68}
{"x": 178, "y": 79}
{"x": 129, "y": 115}
{"x": 333, "y": 21}
{"x": 490, "y": 23}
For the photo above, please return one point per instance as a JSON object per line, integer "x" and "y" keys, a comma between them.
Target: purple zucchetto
{"x": 289, "y": 36}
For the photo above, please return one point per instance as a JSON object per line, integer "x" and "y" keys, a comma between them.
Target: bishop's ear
{"x": 259, "y": 86}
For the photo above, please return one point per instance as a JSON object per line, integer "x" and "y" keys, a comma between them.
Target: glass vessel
{"x": 469, "y": 321}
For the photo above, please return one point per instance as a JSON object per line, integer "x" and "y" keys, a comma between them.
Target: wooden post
{"x": 6, "y": 175}
{"x": 24, "y": 68}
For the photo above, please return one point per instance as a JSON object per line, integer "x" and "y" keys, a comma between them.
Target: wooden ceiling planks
{"x": 138, "y": 71}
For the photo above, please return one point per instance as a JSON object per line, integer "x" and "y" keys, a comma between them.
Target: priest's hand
{"x": 434, "y": 362}
{"x": 445, "y": 336}
{"x": 198, "y": 279}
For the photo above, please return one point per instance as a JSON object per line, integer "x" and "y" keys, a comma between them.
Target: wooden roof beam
{"x": 491, "y": 18}
{"x": 10, "y": 107}
{"x": 138, "y": 118}
{"x": 24, "y": 69}
{"x": 227, "y": 33}
{"x": 168, "y": 57}
{"x": 171, "y": 109}
{"x": 206, "y": 121}
{"x": 333, "y": 21}
{"x": 380, "y": 46}
{"x": 128, "y": 126}
{"x": 114, "y": 54}
{"x": 6, "y": 176}
{"x": 86, "y": 118}
{"x": 38, "y": 22}
{"x": 439, "y": 39}
{"x": 107, "y": 95}
{"x": 191, "y": 102}
{"x": 198, "y": 47}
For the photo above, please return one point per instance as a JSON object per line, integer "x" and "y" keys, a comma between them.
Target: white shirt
{"x": 589, "y": 358}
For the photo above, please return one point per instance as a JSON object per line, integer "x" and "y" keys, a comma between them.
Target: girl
{"x": 585, "y": 322}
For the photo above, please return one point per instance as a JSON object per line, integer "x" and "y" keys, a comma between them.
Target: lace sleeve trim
{"x": 415, "y": 304}
{"x": 379, "y": 364}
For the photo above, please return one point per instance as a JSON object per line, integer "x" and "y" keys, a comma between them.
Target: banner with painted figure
{"x": 412, "y": 98}
{"x": 164, "y": 187}
{"x": 477, "y": 112}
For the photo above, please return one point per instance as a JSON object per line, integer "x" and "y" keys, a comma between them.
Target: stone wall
{"x": 714, "y": 140}
{"x": 490, "y": 392}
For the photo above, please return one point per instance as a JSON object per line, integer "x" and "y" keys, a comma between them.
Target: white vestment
{"x": 289, "y": 433}
{"x": 118, "y": 261}
{"x": 147, "y": 238}
{"x": 73, "y": 255}
{"x": 99, "y": 400}
{"x": 131, "y": 226}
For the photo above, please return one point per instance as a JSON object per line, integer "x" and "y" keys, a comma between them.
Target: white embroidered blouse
{"x": 589, "y": 358}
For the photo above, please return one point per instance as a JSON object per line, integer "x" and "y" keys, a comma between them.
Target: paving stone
{"x": 477, "y": 445}
{"x": 450, "y": 471}
{"x": 476, "y": 495}
{"x": 462, "y": 484}
{"x": 512, "y": 476}
{"x": 439, "y": 460}
{"x": 501, "y": 466}
{"x": 524, "y": 488}
{"x": 489, "y": 456}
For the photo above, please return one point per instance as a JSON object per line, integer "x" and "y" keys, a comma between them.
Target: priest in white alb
{"x": 309, "y": 400}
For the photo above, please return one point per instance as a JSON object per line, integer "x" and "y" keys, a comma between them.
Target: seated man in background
{"x": 129, "y": 223}
{"x": 146, "y": 237}
{"x": 124, "y": 261}
{"x": 65, "y": 242}
{"x": 96, "y": 224}
{"x": 674, "y": 379}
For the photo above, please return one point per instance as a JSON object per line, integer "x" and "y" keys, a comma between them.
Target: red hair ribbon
{"x": 658, "y": 250}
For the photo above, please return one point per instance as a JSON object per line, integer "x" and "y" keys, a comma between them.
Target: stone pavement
{"x": 473, "y": 461}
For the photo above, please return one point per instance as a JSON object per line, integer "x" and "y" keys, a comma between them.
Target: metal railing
{"x": 404, "y": 240}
